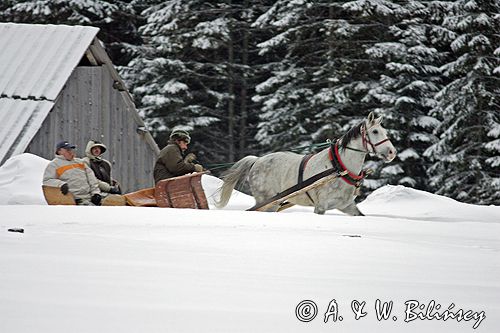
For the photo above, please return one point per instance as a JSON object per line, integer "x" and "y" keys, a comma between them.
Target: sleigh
{"x": 178, "y": 192}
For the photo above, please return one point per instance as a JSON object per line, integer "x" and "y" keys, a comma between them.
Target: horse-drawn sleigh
{"x": 327, "y": 180}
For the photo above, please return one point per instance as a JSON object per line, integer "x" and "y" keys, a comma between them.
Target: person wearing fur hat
{"x": 101, "y": 167}
{"x": 171, "y": 162}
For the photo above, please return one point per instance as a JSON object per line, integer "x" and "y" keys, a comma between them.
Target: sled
{"x": 301, "y": 188}
{"x": 178, "y": 192}
{"x": 114, "y": 200}
{"x": 142, "y": 198}
{"x": 54, "y": 196}
{"x": 181, "y": 192}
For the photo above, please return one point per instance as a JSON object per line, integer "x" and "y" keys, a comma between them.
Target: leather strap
{"x": 302, "y": 167}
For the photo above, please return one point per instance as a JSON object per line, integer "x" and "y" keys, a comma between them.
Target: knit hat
{"x": 179, "y": 134}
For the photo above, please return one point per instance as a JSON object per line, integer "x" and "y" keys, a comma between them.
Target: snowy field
{"x": 128, "y": 269}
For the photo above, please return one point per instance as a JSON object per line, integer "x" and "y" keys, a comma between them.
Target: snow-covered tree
{"x": 406, "y": 90}
{"x": 296, "y": 97}
{"x": 193, "y": 72}
{"x": 323, "y": 78}
{"x": 467, "y": 155}
{"x": 321, "y": 72}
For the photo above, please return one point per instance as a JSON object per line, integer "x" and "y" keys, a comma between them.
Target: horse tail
{"x": 236, "y": 174}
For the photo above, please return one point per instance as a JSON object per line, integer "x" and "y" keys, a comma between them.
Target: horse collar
{"x": 350, "y": 178}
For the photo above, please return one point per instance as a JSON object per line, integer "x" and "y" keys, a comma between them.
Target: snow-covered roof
{"x": 36, "y": 60}
{"x": 19, "y": 122}
{"x": 35, "y": 63}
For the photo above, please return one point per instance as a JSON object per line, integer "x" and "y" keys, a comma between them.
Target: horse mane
{"x": 352, "y": 134}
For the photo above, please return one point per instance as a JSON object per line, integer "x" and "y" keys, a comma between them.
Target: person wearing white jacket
{"x": 71, "y": 174}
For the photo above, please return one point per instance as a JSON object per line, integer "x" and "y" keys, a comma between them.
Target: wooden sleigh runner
{"x": 178, "y": 192}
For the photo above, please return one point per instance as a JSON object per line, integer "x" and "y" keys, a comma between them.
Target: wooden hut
{"x": 57, "y": 83}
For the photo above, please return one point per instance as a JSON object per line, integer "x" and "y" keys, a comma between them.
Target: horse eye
{"x": 375, "y": 131}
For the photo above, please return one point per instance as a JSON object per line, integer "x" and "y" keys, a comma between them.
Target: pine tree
{"x": 466, "y": 158}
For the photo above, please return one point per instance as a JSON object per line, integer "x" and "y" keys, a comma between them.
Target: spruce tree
{"x": 323, "y": 78}
{"x": 194, "y": 72}
{"x": 466, "y": 158}
{"x": 406, "y": 90}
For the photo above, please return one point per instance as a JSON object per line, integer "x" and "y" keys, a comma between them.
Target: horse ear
{"x": 379, "y": 120}
{"x": 369, "y": 119}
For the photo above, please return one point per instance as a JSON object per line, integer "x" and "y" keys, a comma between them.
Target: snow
{"x": 129, "y": 269}
{"x": 211, "y": 35}
{"x": 408, "y": 153}
{"x": 156, "y": 99}
{"x": 381, "y": 50}
{"x": 494, "y": 131}
{"x": 407, "y": 181}
{"x": 19, "y": 177}
{"x": 272, "y": 43}
{"x": 420, "y": 137}
{"x": 494, "y": 161}
{"x": 427, "y": 122}
{"x": 391, "y": 170}
{"x": 173, "y": 87}
{"x": 493, "y": 145}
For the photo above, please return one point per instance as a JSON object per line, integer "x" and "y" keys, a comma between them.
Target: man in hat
{"x": 71, "y": 174}
{"x": 101, "y": 167}
{"x": 171, "y": 161}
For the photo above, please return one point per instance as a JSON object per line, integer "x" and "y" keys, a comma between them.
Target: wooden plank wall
{"x": 89, "y": 108}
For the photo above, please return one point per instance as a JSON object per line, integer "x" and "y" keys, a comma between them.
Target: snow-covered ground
{"x": 128, "y": 269}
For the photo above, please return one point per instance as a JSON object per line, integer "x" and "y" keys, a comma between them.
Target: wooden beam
{"x": 91, "y": 57}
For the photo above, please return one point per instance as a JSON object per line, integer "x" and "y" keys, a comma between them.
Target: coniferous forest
{"x": 253, "y": 77}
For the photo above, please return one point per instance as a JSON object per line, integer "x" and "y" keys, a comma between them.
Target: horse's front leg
{"x": 352, "y": 209}
{"x": 321, "y": 207}
{"x": 319, "y": 210}
{"x": 323, "y": 201}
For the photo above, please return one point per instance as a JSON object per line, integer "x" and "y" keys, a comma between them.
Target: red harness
{"x": 350, "y": 178}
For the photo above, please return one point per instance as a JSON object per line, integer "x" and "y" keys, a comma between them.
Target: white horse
{"x": 276, "y": 172}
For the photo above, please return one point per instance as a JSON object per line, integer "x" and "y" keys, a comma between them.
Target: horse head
{"x": 375, "y": 140}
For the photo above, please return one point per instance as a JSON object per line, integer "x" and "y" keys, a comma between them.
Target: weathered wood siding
{"x": 89, "y": 108}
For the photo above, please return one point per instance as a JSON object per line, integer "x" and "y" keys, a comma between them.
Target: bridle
{"x": 333, "y": 152}
{"x": 365, "y": 139}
